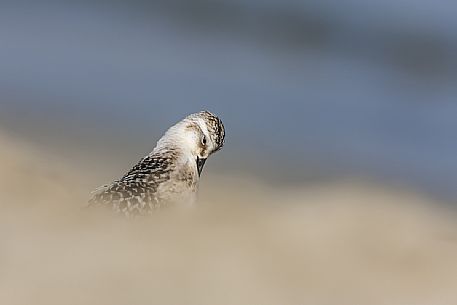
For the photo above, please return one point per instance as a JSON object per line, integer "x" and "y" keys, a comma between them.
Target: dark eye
{"x": 204, "y": 141}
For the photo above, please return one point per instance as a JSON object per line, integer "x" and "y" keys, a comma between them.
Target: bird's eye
{"x": 204, "y": 141}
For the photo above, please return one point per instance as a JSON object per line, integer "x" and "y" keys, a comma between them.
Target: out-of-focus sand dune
{"x": 245, "y": 243}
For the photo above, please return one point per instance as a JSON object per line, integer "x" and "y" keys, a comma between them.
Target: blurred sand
{"x": 245, "y": 243}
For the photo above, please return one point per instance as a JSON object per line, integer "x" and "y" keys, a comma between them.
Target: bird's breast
{"x": 182, "y": 187}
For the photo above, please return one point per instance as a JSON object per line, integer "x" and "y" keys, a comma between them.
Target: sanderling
{"x": 171, "y": 172}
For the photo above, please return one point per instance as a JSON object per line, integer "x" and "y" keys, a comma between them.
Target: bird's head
{"x": 199, "y": 135}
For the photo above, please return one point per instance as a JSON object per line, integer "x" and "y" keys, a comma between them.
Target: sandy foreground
{"x": 245, "y": 243}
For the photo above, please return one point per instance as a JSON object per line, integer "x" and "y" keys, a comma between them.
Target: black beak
{"x": 200, "y": 164}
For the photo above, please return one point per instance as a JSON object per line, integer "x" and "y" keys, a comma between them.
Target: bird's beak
{"x": 200, "y": 164}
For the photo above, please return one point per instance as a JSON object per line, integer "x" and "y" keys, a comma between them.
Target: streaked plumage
{"x": 170, "y": 173}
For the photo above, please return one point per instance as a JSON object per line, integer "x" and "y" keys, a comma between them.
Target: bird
{"x": 168, "y": 175}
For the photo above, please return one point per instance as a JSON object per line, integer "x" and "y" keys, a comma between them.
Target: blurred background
{"x": 306, "y": 88}
{"x": 313, "y": 94}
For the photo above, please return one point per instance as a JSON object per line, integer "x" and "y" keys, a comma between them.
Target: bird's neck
{"x": 178, "y": 139}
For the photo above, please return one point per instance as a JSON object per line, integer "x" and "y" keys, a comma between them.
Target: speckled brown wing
{"x": 135, "y": 192}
